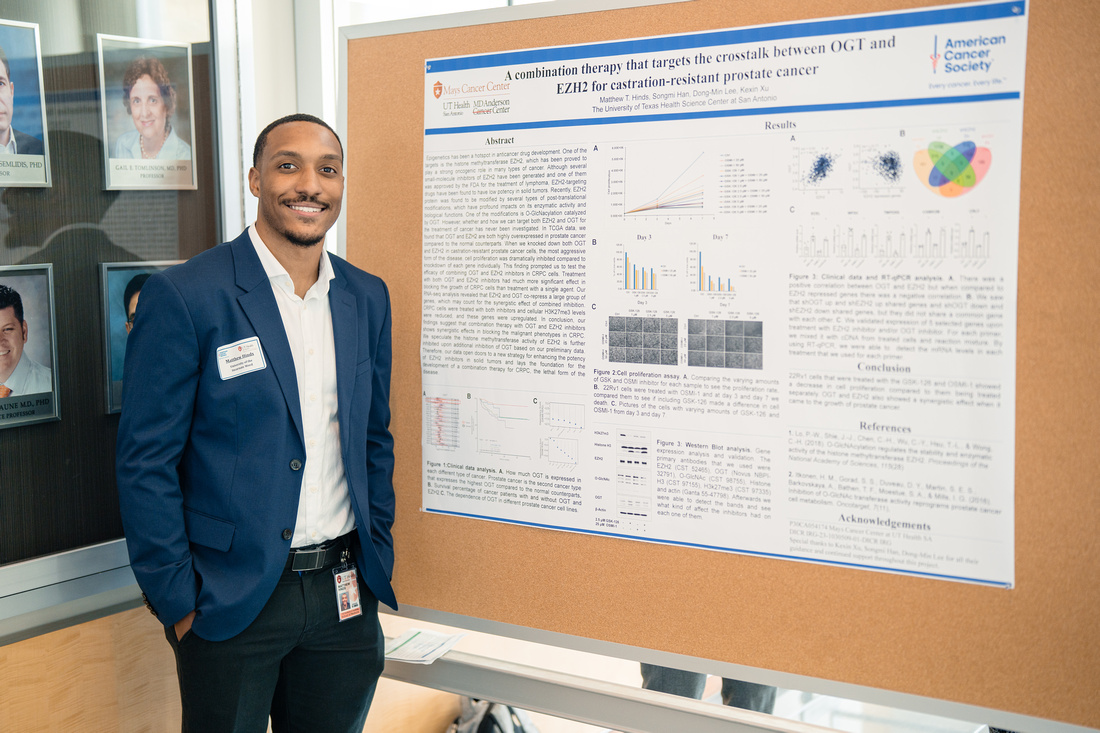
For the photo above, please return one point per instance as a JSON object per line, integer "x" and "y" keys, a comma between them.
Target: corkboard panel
{"x": 1032, "y": 650}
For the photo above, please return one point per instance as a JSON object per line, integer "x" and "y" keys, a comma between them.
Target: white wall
{"x": 273, "y": 47}
{"x": 257, "y": 82}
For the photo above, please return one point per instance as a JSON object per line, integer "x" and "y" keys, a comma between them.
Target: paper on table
{"x": 418, "y": 646}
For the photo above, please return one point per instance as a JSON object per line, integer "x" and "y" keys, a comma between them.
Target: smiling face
{"x": 299, "y": 181}
{"x": 13, "y": 335}
{"x": 148, "y": 109}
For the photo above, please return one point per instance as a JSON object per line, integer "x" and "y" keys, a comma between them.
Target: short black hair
{"x": 261, "y": 140}
{"x": 10, "y": 299}
{"x": 133, "y": 288}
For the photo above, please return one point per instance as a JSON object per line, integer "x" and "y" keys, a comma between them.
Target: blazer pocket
{"x": 364, "y": 366}
{"x": 207, "y": 531}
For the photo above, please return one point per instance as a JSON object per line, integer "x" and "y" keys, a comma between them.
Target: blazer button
{"x": 287, "y": 534}
{"x": 295, "y": 465}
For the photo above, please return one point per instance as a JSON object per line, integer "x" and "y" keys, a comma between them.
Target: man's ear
{"x": 254, "y": 181}
{"x": 24, "y": 332}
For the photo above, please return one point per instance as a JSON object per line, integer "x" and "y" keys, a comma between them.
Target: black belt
{"x": 319, "y": 556}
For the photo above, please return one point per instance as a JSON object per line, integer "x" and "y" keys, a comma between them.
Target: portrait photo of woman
{"x": 150, "y": 98}
{"x": 147, "y": 103}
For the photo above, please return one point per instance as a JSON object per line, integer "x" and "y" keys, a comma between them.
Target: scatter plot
{"x": 563, "y": 450}
{"x": 821, "y": 167}
{"x": 888, "y": 166}
{"x": 952, "y": 170}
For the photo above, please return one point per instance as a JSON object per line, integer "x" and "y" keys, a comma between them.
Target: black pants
{"x": 296, "y": 662}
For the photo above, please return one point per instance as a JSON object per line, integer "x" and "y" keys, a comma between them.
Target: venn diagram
{"x": 952, "y": 170}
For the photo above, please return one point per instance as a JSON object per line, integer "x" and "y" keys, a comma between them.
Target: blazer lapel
{"x": 345, "y": 336}
{"x": 258, "y": 303}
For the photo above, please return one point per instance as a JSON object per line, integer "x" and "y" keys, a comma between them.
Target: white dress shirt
{"x": 29, "y": 377}
{"x": 324, "y": 509}
{"x": 129, "y": 146}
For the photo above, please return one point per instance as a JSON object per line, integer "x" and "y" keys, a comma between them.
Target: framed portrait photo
{"x": 28, "y": 346}
{"x": 24, "y": 145}
{"x": 148, "y": 110}
{"x": 120, "y": 284}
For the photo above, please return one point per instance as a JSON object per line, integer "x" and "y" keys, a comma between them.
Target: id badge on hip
{"x": 346, "y": 577}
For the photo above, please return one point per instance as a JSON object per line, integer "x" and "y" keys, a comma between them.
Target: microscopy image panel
{"x": 635, "y": 340}
{"x": 727, "y": 344}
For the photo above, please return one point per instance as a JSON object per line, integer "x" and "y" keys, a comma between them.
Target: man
{"x": 255, "y": 462}
{"x": 12, "y": 142}
{"x": 130, "y": 296}
{"x": 19, "y": 374}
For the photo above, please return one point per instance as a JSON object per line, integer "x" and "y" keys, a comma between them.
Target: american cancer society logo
{"x": 968, "y": 54}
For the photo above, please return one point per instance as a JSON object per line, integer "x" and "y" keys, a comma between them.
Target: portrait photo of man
{"x": 121, "y": 284}
{"x": 23, "y": 160}
{"x": 12, "y": 141}
{"x": 19, "y": 373}
{"x": 27, "y": 349}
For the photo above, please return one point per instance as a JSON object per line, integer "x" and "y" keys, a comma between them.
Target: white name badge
{"x": 240, "y": 358}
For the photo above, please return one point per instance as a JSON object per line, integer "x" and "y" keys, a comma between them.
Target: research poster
{"x": 749, "y": 290}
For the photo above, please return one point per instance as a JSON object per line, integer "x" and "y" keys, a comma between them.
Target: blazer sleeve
{"x": 380, "y": 459}
{"x": 160, "y": 381}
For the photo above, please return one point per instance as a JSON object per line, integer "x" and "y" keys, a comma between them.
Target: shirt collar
{"x": 280, "y": 278}
{"x": 17, "y": 380}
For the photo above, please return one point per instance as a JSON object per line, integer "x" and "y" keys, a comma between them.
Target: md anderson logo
{"x": 488, "y": 98}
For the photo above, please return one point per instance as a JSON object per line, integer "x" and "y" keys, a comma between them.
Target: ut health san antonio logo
{"x": 437, "y": 89}
{"x": 935, "y": 55}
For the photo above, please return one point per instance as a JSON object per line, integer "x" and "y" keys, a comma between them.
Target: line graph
{"x": 504, "y": 429}
{"x": 666, "y": 187}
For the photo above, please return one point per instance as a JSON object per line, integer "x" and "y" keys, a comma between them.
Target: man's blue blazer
{"x": 209, "y": 470}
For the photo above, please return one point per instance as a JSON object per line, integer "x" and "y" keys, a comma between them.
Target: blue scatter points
{"x": 888, "y": 165}
{"x": 822, "y": 167}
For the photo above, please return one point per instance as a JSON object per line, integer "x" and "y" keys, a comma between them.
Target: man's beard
{"x": 297, "y": 240}
{"x": 301, "y": 242}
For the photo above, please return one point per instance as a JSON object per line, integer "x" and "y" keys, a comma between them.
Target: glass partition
{"x": 119, "y": 97}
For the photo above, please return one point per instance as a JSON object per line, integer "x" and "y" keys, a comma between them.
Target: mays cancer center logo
{"x": 473, "y": 97}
